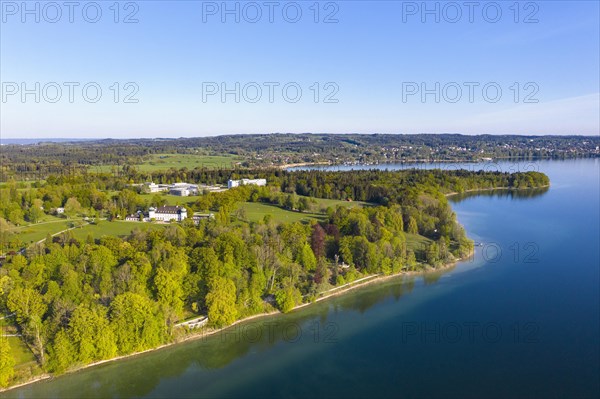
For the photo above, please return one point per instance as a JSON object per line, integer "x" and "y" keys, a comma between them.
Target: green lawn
{"x": 178, "y": 161}
{"x": 325, "y": 203}
{"x": 20, "y": 351}
{"x": 37, "y": 232}
{"x": 116, "y": 228}
{"x": 418, "y": 244}
{"x": 256, "y": 212}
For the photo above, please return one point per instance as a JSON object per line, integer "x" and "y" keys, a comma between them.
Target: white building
{"x": 184, "y": 189}
{"x": 156, "y": 188}
{"x": 210, "y": 189}
{"x": 167, "y": 213}
{"x": 137, "y": 217}
{"x": 246, "y": 182}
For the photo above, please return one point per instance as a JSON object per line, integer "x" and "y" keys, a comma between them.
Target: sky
{"x": 194, "y": 68}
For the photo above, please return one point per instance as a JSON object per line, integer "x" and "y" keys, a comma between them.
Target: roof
{"x": 170, "y": 209}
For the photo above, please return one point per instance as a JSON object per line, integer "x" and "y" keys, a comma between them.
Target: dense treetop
{"x": 78, "y": 301}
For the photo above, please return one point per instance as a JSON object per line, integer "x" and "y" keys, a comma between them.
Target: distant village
{"x": 177, "y": 213}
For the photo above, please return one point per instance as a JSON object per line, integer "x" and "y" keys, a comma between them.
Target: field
{"x": 19, "y": 350}
{"x": 38, "y": 231}
{"x": 118, "y": 228}
{"x": 178, "y": 161}
{"x": 418, "y": 244}
{"x": 325, "y": 203}
{"x": 255, "y": 212}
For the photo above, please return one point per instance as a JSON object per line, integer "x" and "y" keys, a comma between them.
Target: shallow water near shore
{"x": 519, "y": 319}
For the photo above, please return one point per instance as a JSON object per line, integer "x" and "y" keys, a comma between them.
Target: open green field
{"x": 416, "y": 242}
{"x": 256, "y": 212}
{"x": 325, "y": 203}
{"x": 178, "y": 161}
{"x": 38, "y": 231}
{"x": 20, "y": 351}
{"x": 116, "y": 228}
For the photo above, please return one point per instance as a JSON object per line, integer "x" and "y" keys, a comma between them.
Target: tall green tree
{"x": 220, "y": 301}
{"x": 136, "y": 323}
{"x": 7, "y": 362}
{"x": 91, "y": 335}
{"x": 62, "y": 353}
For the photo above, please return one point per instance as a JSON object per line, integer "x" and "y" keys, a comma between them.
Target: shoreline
{"x": 474, "y": 190}
{"x": 493, "y": 160}
{"x": 296, "y": 165}
{"x": 341, "y": 290}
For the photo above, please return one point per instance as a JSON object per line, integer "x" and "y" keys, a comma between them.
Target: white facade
{"x": 156, "y": 188}
{"x": 168, "y": 213}
{"x": 181, "y": 189}
{"x": 246, "y": 182}
{"x": 184, "y": 189}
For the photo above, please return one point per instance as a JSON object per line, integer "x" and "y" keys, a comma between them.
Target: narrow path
{"x": 38, "y": 224}
{"x": 22, "y": 251}
{"x": 347, "y": 284}
{"x": 62, "y": 231}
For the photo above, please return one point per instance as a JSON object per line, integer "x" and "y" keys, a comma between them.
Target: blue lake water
{"x": 520, "y": 319}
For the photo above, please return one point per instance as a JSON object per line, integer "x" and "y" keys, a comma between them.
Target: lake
{"x": 519, "y": 319}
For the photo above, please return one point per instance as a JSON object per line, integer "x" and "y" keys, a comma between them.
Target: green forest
{"x": 77, "y": 300}
{"x": 36, "y": 162}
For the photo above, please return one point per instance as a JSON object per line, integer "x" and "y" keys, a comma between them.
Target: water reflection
{"x": 209, "y": 356}
{"x": 502, "y": 193}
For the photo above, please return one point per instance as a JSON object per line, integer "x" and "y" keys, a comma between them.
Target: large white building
{"x": 156, "y": 188}
{"x": 180, "y": 189}
{"x": 167, "y": 213}
{"x": 184, "y": 189}
{"x": 246, "y": 182}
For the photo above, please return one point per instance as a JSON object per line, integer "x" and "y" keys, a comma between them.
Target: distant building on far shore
{"x": 246, "y": 182}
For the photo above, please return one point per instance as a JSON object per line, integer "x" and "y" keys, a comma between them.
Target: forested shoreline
{"x": 37, "y": 161}
{"x": 78, "y": 301}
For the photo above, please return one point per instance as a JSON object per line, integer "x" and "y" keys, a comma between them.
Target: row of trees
{"x": 36, "y": 162}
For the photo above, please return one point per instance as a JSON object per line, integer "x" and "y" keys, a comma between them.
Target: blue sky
{"x": 370, "y": 68}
